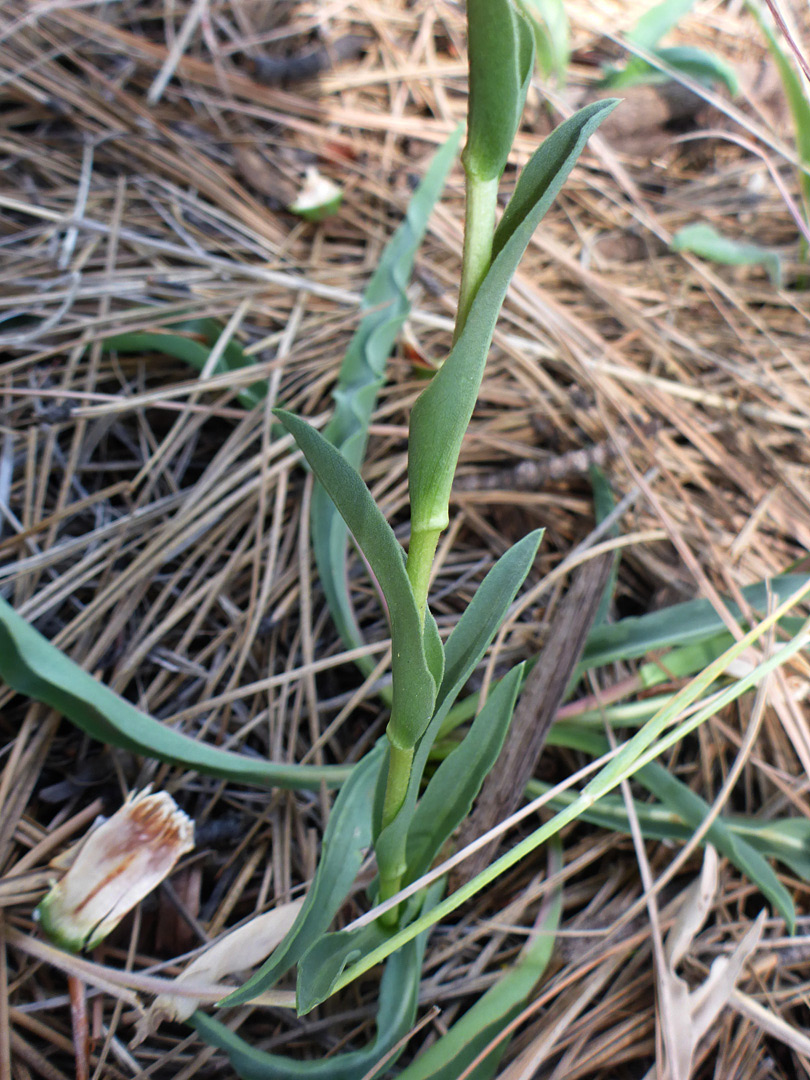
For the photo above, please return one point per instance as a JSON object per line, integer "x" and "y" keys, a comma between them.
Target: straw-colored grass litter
{"x": 155, "y": 526}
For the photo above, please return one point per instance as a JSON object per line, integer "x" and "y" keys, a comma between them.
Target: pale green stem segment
{"x": 421, "y": 550}
{"x": 400, "y": 762}
{"x": 479, "y": 227}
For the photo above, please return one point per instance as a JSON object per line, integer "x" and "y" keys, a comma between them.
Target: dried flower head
{"x": 119, "y": 862}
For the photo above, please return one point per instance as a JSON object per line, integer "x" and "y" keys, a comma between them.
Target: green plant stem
{"x": 479, "y": 227}
{"x": 421, "y": 549}
{"x": 400, "y": 762}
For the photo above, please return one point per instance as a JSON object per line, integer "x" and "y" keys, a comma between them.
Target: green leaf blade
{"x": 31, "y": 665}
{"x": 345, "y": 841}
{"x": 442, "y": 412}
{"x": 361, "y": 375}
{"x": 414, "y": 685}
{"x": 702, "y": 239}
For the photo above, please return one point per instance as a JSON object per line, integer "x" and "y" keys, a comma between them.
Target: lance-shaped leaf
{"x": 347, "y": 836}
{"x": 501, "y": 55}
{"x": 414, "y": 670}
{"x": 361, "y": 376}
{"x": 464, "y": 648}
{"x": 443, "y": 411}
{"x": 549, "y": 22}
{"x": 452, "y": 788}
{"x": 31, "y": 665}
{"x": 399, "y": 996}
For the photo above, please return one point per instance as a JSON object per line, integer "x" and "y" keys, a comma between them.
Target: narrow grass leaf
{"x": 636, "y": 752}
{"x": 452, "y": 788}
{"x": 797, "y": 98}
{"x": 702, "y": 239}
{"x": 414, "y": 685}
{"x": 399, "y": 997}
{"x": 361, "y": 375}
{"x": 347, "y": 836}
{"x": 183, "y": 345}
{"x": 451, "y": 1054}
{"x": 681, "y": 624}
{"x": 442, "y": 412}
{"x": 690, "y": 809}
{"x": 552, "y": 45}
{"x": 464, "y": 648}
{"x": 704, "y": 67}
{"x": 658, "y": 21}
{"x": 31, "y": 665}
{"x": 501, "y": 48}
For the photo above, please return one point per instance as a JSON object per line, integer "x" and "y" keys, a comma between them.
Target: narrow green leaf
{"x": 549, "y": 23}
{"x": 441, "y": 414}
{"x": 702, "y": 239}
{"x": 786, "y": 839}
{"x": 345, "y": 841}
{"x": 414, "y": 686}
{"x": 451, "y": 1054}
{"x": 452, "y": 788}
{"x": 604, "y": 504}
{"x": 690, "y": 812}
{"x": 501, "y": 57}
{"x": 31, "y": 665}
{"x": 658, "y": 21}
{"x": 796, "y": 93}
{"x": 704, "y": 67}
{"x": 328, "y": 957}
{"x": 681, "y": 624}
{"x": 194, "y": 353}
{"x": 466, "y": 645}
{"x": 361, "y": 375}
{"x": 399, "y": 996}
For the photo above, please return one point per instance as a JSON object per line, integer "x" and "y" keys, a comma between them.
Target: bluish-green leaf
{"x": 795, "y": 88}
{"x": 183, "y": 347}
{"x": 681, "y": 624}
{"x": 657, "y": 22}
{"x": 693, "y": 811}
{"x": 552, "y": 47}
{"x": 441, "y": 414}
{"x": 501, "y": 57}
{"x": 704, "y": 67}
{"x": 361, "y": 376}
{"x": 464, "y": 648}
{"x": 469, "y": 1036}
{"x": 702, "y": 239}
{"x": 347, "y": 836}
{"x": 31, "y": 665}
{"x": 414, "y": 685}
{"x": 452, "y": 788}
{"x": 399, "y": 996}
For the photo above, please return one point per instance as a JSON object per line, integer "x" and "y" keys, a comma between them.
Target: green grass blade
{"x": 399, "y": 996}
{"x": 635, "y": 753}
{"x": 450, "y": 1055}
{"x": 682, "y": 624}
{"x": 797, "y": 97}
{"x": 361, "y": 375}
{"x": 31, "y": 665}
{"x": 702, "y": 239}
{"x": 501, "y": 48}
{"x": 692, "y": 811}
{"x": 182, "y": 347}
{"x": 452, "y": 788}
{"x": 552, "y": 44}
{"x": 658, "y": 21}
{"x": 414, "y": 685}
{"x": 347, "y": 836}
{"x": 441, "y": 414}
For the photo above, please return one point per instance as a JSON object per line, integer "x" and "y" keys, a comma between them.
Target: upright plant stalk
{"x": 501, "y": 58}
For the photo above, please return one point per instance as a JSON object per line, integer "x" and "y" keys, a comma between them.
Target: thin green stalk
{"x": 421, "y": 550}
{"x": 479, "y": 228}
{"x": 400, "y": 762}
